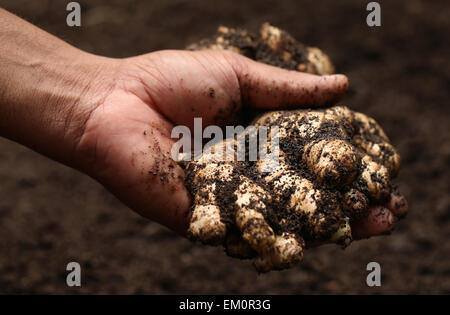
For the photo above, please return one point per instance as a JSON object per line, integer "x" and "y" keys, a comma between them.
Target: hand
{"x": 112, "y": 118}
{"x": 126, "y": 141}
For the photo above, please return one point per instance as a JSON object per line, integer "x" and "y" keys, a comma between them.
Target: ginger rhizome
{"x": 332, "y": 165}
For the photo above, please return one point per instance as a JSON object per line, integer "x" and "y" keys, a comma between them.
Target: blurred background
{"x": 400, "y": 75}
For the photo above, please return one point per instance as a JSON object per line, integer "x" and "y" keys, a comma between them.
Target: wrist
{"x": 48, "y": 99}
{"x": 81, "y": 85}
{"x": 47, "y": 87}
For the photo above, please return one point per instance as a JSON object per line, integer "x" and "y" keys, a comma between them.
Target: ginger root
{"x": 333, "y": 163}
{"x": 273, "y": 46}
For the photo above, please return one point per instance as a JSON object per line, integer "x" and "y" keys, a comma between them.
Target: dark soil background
{"x": 400, "y": 74}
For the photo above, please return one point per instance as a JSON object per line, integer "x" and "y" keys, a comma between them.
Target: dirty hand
{"x": 112, "y": 118}
{"x": 126, "y": 139}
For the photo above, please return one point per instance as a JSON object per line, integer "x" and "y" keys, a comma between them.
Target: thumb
{"x": 268, "y": 87}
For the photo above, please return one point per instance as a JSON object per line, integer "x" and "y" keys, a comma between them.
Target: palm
{"x": 127, "y": 138}
{"x": 125, "y": 145}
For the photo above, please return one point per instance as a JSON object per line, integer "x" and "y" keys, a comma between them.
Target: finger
{"x": 355, "y": 203}
{"x": 250, "y": 200}
{"x": 371, "y": 138}
{"x": 206, "y": 224}
{"x": 377, "y": 221}
{"x": 374, "y": 179}
{"x": 269, "y": 87}
{"x": 286, "y": 251}
{"x": 333, "y": 161}
{"x": 184, "y": 85}
{"x": 398, "y": 205}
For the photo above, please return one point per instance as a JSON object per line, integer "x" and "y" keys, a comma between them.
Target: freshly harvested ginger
{"x": 333, "y": 164}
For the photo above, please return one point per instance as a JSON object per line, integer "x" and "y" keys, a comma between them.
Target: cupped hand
{"x": 126, "y": 141}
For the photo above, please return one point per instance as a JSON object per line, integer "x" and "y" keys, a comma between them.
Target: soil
{"x": 399, "y": 73}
